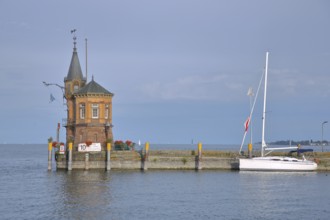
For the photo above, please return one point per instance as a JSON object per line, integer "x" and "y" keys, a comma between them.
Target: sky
{"x": 180, "y": 69}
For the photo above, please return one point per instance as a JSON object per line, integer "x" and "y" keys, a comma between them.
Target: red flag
{"x": 246, "y": 123}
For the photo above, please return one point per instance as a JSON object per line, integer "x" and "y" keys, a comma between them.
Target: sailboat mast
{"x": 263, "y": 143}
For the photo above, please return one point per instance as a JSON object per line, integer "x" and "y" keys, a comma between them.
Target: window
{"x": 95, "y": 111}
{"x": 106, "y": 113}
{"x": 82, "y": 110}
{"x": 75, "y": 87}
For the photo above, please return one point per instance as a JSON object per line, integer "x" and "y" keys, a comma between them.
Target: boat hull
{"x": 276, "y": 164}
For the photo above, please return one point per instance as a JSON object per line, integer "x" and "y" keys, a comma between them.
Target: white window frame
{"x": 95, "y": 111}
{"x": 82, "y": 110}
{"x": 106, "y": 113}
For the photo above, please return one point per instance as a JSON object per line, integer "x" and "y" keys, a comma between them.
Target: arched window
{"x": 75, "y": 86}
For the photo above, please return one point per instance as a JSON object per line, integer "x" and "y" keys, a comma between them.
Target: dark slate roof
{"x": 74, "y": 69}
{"x": 93, "y": 88}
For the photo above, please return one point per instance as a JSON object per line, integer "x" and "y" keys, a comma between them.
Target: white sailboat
{"x": 274, "y": 163}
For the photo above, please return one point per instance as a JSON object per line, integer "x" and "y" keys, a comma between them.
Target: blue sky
{"x": 179, "y": 69}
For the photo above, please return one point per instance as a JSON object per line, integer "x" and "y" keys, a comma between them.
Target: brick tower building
{"x": 89, "y": 107}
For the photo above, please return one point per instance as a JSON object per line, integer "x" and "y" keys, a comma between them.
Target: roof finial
{"x": 74, "y": 39}
{"x": 92, "y": 77}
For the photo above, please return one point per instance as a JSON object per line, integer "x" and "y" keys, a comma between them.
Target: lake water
{"x": 29, "y": 191}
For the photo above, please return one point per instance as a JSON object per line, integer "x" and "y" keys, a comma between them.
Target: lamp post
{"x": 322, "y": 133}
{"x": 54, "y": 84}
{"x": 107, "y": 125}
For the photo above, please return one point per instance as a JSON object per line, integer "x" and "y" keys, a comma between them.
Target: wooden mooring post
{"x": 108, "y": 156}
{"x": 145, "y": 157}
{"x": 250, "y": 150}
{"x": 87, "y": 161}
{"x": 199, "y": 157}
{"x": 70, "y": 157}
{"x": 50, "y": 149}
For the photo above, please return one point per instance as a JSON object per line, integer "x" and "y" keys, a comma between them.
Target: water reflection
{"x": 173, "y": 194}
{"x": 274, "y": 192}
{"x": 83, "y": 194}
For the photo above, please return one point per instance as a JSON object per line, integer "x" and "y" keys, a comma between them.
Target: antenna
{"x": 86, "y": 56}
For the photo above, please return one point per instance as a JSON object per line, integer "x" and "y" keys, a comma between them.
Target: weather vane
{"x": 74, "y": 37}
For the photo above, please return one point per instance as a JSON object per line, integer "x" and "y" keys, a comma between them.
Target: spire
{"x": 75, "y": 68}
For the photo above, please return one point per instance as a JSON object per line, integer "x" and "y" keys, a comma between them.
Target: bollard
{"x": 50, "y": 148}
{"x": 199, "y": 156}
{"x": 250, "y": 150}
{"x": 108, "y": 156}
{"x": 70, "y": 157}
{"x": 146, "y": 155}
{"x": 87, "y": 161}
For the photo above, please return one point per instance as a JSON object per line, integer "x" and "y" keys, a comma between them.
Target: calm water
{"x": 29, "y": 191}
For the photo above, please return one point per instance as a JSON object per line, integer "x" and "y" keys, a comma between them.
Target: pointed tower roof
{"x": 93, "y": 88}
{"x": 74, "y": 69}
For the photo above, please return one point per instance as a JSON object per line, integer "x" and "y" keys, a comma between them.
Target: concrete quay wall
{"x": 166, "y": 160}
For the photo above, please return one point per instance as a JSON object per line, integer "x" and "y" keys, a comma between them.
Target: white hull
{"x": 273, "y": 163}
{"x": 276, "y": 164}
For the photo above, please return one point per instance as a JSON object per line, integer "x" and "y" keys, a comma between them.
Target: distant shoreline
{"x": 303, "y": 143}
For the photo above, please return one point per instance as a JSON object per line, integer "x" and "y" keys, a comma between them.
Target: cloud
{"x": 282, "y": 84}
{"x": 15, "y": 25}
{"x": 296, "y": 83}
{"x": 195, "y": 87}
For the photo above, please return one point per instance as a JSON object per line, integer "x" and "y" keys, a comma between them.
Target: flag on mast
{"x": 246, "y": 123}
{"x": 250, "y": 92}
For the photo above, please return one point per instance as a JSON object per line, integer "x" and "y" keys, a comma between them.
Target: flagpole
{"x": 86, "y": 58}
{"x": 250, "y": 94}
{"x": 240, "y": 149}
{"x": 252, "y": 109}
